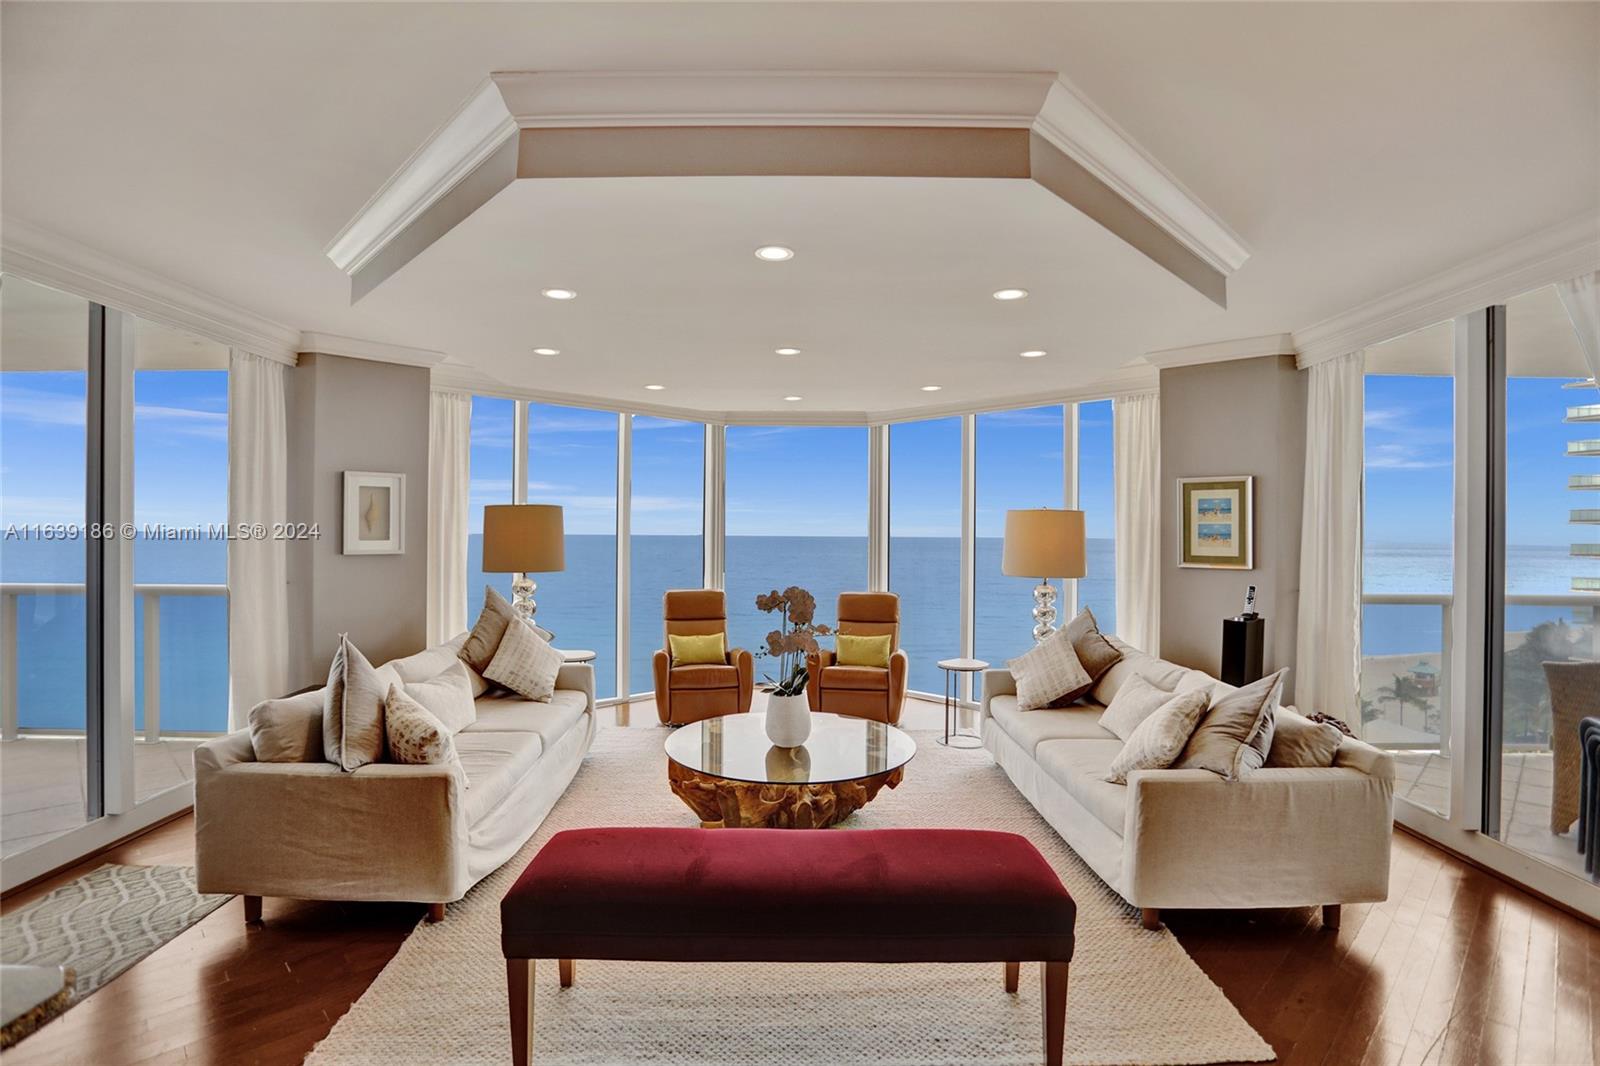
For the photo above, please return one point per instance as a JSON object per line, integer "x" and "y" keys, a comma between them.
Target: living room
{"x": 833, "y": 500}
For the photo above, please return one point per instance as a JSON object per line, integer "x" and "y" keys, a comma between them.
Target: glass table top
{"x": 840, "y": 748}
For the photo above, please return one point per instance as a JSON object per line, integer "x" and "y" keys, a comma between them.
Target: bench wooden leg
{"x": 1330, "y": 915}
{"x": 435, "y": 913}
{"x": 252, "y": 910}
{"x": 1013, "y": 971}
{"x": 519, "y": 988}
{"x": 568, "y": 969}
{"x": 1150, "y": 917}
{"x": 1053, "y": 1004}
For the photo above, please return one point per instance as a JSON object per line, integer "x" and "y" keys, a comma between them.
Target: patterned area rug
{"x": 1135, "y": 996}
{"x": 105, "y": 921}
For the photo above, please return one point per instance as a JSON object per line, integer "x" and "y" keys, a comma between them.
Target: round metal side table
{"x": 953, "y": 737}
{"x": 577, "y": 655}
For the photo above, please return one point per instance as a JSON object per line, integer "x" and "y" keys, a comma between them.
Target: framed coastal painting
{"x": 1216, "y": 524}
{"x": 374, "y": 513}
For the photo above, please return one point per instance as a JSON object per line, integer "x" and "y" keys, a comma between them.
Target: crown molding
{"x": 1223, "y": 351}
{"x": 1543, "y": 258}
{"x": 45, "y": 257}
{"x": 373, "y": 351}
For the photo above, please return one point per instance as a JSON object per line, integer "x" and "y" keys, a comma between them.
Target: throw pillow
{"x": 688, "y": 650}
{"x": 448, "y": 697}
{"x": 1050, "y": 672}
{"x": 1095, "y": 652}
{"x": 416, "y": 736}
{"x": 851, "y": 650}
{"x": 288, "y": 729}
{"x": 525, "y": 663}
{"x": 1160, "y": 738}
{"x": 487, "y": 631}
{"x": 352, "y": 710}
{"x": 1235, "y": 735}
{"x": 1298, "y": 741}
{"x": 1133, "y": 703}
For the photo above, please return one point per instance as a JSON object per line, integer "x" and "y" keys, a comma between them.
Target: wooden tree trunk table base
{"x": 723, "y": 803}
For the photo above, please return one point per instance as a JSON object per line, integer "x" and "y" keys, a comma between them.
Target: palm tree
{"x": 1403, "y": 690}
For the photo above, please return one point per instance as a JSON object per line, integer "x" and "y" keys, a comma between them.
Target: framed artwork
{"x": 1215, "y": 527}
{"x": 374, "y": 513}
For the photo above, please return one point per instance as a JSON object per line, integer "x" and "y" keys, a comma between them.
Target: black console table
{"x": 1242, "y": 643}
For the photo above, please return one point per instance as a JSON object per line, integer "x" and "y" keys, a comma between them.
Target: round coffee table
{"x": 732, "y": 776}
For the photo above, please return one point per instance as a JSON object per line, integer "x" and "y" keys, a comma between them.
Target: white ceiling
{"x": 1354, "y": 148}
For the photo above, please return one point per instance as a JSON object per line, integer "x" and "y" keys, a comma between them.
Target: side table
{"x": 953, "y": 737}
{"x": 576, "y": 655}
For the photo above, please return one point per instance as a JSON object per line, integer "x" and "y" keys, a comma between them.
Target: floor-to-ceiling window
{"x": 490, "y": 465}
{"x": 666, "y": 530}
{"x": 796, "y": 516}
{"x": 925, "y": 543}
{"x": 1097, "y": 590}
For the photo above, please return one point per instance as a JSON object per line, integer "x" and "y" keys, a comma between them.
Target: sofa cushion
{"x": 352, "y": 711}
{"x": 416, "y": 736}
{"x": 1080, "y": 767}
{"x": 1049, "y": 673}
{"x": 704, "y": 675}
{"x": 1158, "y": 741}
{"x": 525, "y": 663}
{"x": 858, "y": 678}
{"x": 1133, "y": 703}
{"x": 432, "y": 661}
{"x": 1298, "y": 741}
{"x": 448, "y": 696}
{"x": 288, "y": 729}
{"x": 1135, "y": 663}
{"x": 1095, "y": 652}
{"x": 478, "y": 649}
{"x": 512, "y": 714}
{"x": 494, "y": 763}
{"x": 1234, "y": 736}
{"x": 1032, "y": 728}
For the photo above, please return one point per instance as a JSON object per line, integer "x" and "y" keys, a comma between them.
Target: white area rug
{"x": 1135, "y": 997}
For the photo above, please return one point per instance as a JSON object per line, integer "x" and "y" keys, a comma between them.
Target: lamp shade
{"x": 1043, "y": 543}
{"x": 523, "y": 538}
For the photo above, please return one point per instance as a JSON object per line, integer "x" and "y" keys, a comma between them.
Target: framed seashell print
{"x": 374, "y": 513}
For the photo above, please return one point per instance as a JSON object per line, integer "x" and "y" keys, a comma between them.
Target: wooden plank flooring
{"x": 1456, "y": 967}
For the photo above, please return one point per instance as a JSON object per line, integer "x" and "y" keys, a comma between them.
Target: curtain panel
{"x": 1136, "y": 481}
{"x": 1328, "y": 643}
{"x": 258, "y": 495}
{"x": 1581, "y": 298}
{"x": 449, "y": 444}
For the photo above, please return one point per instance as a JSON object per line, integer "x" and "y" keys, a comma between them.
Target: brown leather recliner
{"x": 862, "y": 691}
{"x": 687, "y": 694}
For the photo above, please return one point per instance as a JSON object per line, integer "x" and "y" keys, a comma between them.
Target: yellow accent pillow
{"x": 864, "y": 651}
{"x": 689, "y": 651}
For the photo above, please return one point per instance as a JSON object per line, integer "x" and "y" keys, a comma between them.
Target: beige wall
{"x": 352, "y": 414}
{"x": 1246, "y": 416}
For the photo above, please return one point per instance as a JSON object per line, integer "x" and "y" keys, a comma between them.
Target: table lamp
{"x": 520, "y": 539}
{"x": 1043, "y": 543}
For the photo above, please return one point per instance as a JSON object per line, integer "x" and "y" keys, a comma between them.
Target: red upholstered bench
{"x": 788, "y": 895}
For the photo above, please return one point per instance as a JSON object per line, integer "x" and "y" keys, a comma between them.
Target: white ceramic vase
{"x": 788, "y": 720}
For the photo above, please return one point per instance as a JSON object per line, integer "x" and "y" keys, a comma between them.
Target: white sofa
{"x": 1279, "y": 837}
{"x": 309, "y": 830}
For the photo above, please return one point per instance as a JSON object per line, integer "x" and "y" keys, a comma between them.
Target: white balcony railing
{"x": 151, "y": 597}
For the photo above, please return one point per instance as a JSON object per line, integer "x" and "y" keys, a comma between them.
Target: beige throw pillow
{"x": 1233, "y": 738}
{"x": 1298, "y": 741}
{"x": 448, "y": 697}
{"x": 416, "y": 736}
{"x": 1159, "y": 739}
{"x": 1094, "y": 651}
{"x": 352, "y": 710}
{"x": 484, "y": 639}
{"x": 288, "y": 729}
{"x": 1133, "y": 703}
{"x": 525, "y": 663}
{"x": 1049, "y": 673}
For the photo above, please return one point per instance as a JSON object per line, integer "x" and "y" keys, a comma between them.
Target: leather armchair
{"x": 862, "y": 691}
{"x": 689, "y": 693}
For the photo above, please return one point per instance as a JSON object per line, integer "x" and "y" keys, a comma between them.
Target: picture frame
{"x": 374, "y": 513}
{"x": 1216, "y": 522}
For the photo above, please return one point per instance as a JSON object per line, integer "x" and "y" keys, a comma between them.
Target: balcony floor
{"x": 43, "y": 786}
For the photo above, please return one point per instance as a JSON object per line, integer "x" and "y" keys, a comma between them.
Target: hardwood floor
{"x": 1455, "y": 967}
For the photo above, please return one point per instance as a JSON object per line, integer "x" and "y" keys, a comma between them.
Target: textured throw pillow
{"x": 689, "y": 650}
{"x": 1235, "y": 735}
{"x": 850, "y": 650}
{"x": 352, "y": 709}
{"x": 1298, "y": 741}
{"x": 484, "y": 640}
{"x": 1094, "y": 651}
{"x": 416, "y": 736}
{"x": 1133, "y": 703}
{"x": 288, "y": 729}
{"x": 1050, "y": 672}
{"x": 525, "y": 663}
{"x": 448, "y": 697}
{"x": 1160, "y": 738}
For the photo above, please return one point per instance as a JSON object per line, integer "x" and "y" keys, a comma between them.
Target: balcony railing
{"x": 1583, "y": 447}
{"x": 150, "y": 596}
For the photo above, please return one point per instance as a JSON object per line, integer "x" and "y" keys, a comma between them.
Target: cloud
{"x": 22, "y": 403}
{"x": 181, "y": 421}
{"x": 1400, "y": 456}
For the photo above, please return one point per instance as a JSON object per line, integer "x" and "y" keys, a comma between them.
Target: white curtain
{"x": 1136, "y": 466}
{"x": 1328, "y": 642}
{"x": 258, "y": 496}
{"x": 449, "y": 442}
{"x": 1581, "y": 297}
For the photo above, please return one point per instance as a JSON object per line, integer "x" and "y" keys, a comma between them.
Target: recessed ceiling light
{"x": 999, "y": 294}
{"x": 655, "y": 388}
{"x": 1033, "y": 353}
{"x": 793, "y": 399}
{"x": 932, "y": 388}
{"x": 547, "y": 351}
{"x": 560, "y": 294}
{"x": 787, "y": 351}
{"x": 774, "y": 253}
